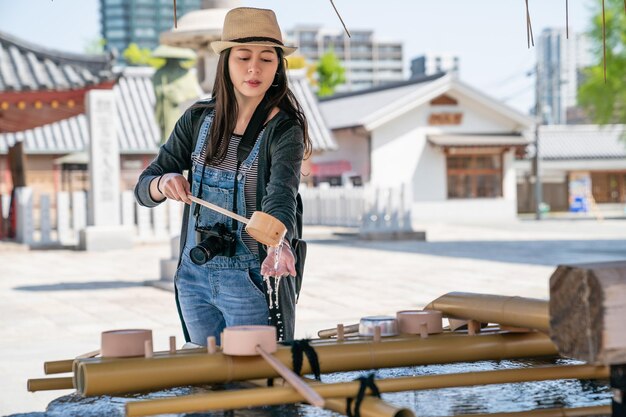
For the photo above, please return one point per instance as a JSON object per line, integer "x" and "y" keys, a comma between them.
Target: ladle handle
{"x": 294, "y": 380}
{"x": 327, "y": 333}
{"x": 91, "y": 354}
{"x": 218, "y": 209}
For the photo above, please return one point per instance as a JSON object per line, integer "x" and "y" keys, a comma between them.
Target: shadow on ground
{"x": 80, "y": 286}
{"x": 535, "y": 252}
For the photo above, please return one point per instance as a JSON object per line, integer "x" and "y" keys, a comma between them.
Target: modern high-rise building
{"x": 560, "y": 64}
{"x": 124, "y": 22}
{"x": 369, "y": 62}
{"x": 431, "y": 64}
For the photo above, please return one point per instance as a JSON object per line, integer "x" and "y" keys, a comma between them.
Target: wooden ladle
{"x": 261, "y": 340}
{"x": 261, "y": 226}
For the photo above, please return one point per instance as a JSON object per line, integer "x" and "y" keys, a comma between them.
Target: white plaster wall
{"x": 396, "y": 149}
{"x": 429, "y": 177}
{"x": 509, "y": 179}
{"x": 477, "y": 118}
{"x": 352, "y": 146}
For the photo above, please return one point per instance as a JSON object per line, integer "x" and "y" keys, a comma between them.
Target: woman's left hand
{"x": 286, "y": 263}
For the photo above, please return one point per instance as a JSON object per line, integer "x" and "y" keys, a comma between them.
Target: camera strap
{"x": 250, "y": 135}
{"x": 243, "y": 151}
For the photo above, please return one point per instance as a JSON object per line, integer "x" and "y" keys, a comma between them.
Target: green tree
{"x": 295, "y": 62}
{"x": 606, "y": 102}
{"x": 137, "y": 56}
{"x": 330, "y": 74}
{"x": 95, "y": 46}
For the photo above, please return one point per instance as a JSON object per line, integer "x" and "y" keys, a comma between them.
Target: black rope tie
{"x": 302, "y": 347}
{"x": 366, "y": 382}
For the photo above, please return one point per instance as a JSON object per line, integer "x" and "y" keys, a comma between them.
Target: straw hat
{"x": 250, "y": 26}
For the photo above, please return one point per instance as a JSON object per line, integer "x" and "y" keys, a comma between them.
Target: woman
{"x": 219, "y": 281}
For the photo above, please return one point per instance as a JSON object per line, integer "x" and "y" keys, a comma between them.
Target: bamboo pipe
{"x": 66, "y": 365}
{"x": 98, "y": 377}
{"x": 63, "y": 366}
{"x": 598, "y": 410}
{"x": 49, "y": 384}
{"x": 511, "y": 311}
{"x": 370, "y": 407}
{"x": 256, "y": 397}
{"x": 58, "y": 367}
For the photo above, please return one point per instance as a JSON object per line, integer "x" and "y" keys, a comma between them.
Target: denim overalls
{"x": 227, "y": 290}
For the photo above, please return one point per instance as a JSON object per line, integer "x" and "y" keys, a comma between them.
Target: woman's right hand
{"x": 174, "y": 186}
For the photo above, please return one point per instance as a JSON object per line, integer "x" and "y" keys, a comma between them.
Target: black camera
{"x": 214, "y": 240}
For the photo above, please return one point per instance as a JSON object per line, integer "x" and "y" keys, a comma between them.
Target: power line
{"x": 525, "y": 90}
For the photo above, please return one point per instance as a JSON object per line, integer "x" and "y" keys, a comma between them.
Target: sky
{"x": 489, "y": 36}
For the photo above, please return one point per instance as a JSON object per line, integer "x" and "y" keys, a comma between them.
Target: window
{"x": 609, "y": 187}
{"x": 474, "y": 176}
{"x": 308, "y": 36}
{"x": 112, "y": 12}
{"x": 145, "y": 32}
{"x": 115, "y": 33}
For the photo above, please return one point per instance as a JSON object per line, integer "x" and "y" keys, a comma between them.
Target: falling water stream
{"x": 271, "y": 291}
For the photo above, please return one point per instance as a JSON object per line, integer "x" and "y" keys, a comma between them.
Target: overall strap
{"x": 247, "y": 143}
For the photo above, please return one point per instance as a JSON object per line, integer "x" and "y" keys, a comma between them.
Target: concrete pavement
{"x": 54, "y": 304}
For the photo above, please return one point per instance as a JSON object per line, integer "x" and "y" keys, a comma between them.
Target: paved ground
{"x": 54, "y": 304}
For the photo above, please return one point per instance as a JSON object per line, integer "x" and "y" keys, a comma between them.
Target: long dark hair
{"x": 225, "y": 105}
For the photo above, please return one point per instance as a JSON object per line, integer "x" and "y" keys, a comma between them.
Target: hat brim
{"x": 219, "y": 46}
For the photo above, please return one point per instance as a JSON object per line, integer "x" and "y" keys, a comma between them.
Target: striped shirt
{"x": 230, "y": 164}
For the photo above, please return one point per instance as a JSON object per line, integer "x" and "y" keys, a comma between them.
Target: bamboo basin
{"x": 419, "y": 321}
{"x": 125, "y": 343}
{"x": 243, "y": 340}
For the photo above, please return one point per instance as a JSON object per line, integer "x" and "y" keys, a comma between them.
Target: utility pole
{"x": 536, "y": 157}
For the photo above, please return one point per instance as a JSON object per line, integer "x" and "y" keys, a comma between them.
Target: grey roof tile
{"x": 26, "y": 67}
{"x": 321, "y": 137}
{"x": 137, "y": 129}
{"x": 563, "y": 142}
{"x": 351, "y": 109}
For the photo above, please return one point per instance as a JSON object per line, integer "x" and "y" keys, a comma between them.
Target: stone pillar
{"x": 45, "y": 227}
{"x": 25, "y": 226}
{"x": 104, "y": 230}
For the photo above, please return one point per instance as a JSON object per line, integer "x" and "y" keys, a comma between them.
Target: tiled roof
{"x": 320, "y": 135}
{"x": 28, "y": 67}
{"x": 136, "y": 126}
{"x": 352, "y": 109}
{"x": 568, "y": 142}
